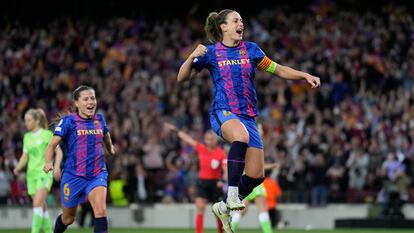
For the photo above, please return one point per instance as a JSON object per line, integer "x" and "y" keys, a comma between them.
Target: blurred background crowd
{"x": 350, "y": 141}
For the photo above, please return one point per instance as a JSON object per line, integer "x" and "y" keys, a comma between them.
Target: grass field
{"x": 140, "y": 230}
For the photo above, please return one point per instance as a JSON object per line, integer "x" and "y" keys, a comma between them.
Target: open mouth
{"x": 90, "y": 108}
{"x": 240, "y": 31}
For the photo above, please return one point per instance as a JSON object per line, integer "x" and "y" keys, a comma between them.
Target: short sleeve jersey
{"x": 34, "y": 145}
{"x": 84, "y": 144}
{"x": 211, "y": 162}
{"x": 233, "y": 70}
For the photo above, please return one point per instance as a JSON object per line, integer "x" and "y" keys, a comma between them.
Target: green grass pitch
{"x": 141, "y": 230}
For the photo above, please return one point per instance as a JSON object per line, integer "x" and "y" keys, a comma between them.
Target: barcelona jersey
{"x": 84, "y": 144}
{"x": 233, "y": 70}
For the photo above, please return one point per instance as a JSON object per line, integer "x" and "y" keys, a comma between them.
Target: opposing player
{"x": 38, "y": 183}
{"x": 232, "y": 63}
{"x": 261, "y": 197}
{"x": 211, "y": 159}
{"x": 85, "y": 135}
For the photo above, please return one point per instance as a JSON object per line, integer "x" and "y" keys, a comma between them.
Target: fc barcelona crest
{"x": 226, "y": 113}
{"x": 243, "y": 52}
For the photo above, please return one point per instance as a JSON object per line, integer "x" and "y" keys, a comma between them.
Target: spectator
{"x": 319, "y": 181}
{"x": 5, "y": 184}
{"x": 395, "y": 187}
{"x": 367, "y": 92}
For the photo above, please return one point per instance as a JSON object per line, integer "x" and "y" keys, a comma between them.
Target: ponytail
{"x": 212, "y": 26}
{"x": 42, "y": 119}
{"x": 59, "y": 116}
{"x": 212, "y": 31}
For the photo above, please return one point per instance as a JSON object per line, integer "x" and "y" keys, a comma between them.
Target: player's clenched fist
{"x": 199, "y": 51}
{"x": 313, "y": 81}
{"x": 47, "y": 167}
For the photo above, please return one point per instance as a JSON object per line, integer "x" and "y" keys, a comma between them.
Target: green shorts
{"x": 43, "y": 180}
{"x": 258, "y": 191}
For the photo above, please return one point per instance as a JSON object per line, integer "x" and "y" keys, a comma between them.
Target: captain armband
{"x": 267, "y": 65}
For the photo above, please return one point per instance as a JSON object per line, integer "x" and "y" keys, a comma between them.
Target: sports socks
{"x": 235, "y": 219}
{"x": 59, "y": 226}
{"x": 47, "y": 224}
{"x": 37, "y": 219}
{"x": 199, "y": 223}
{"x": 264, "y": 221}
{"x": 219, "y": 226}
{"x": 247, "y": 184}
{"x": 235, "y": 164}
{"x": 101, "y": 225}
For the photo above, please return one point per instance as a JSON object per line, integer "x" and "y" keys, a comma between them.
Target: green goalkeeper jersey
{"x": 34, "y": 145}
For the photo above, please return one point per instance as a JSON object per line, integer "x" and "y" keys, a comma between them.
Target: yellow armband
{"x": 267, "y": 65}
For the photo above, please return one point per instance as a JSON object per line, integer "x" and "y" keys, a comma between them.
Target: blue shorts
{"x": 74, "y": 189}
{"x": 218, "y": 117}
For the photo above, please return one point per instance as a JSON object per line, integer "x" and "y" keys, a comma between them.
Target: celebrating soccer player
{"x": 85, "y": 135}
{"x": 232, "y": 63}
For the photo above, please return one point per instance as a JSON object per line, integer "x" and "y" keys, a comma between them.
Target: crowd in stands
{"x": 352, "y": 140}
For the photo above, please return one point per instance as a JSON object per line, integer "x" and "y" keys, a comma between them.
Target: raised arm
{"x": 49, "y": 153}
{"x": 270, "y": 166}
{"x": 286, "y": 72}
{"x": 182, "y": 135}
{"x": 186, "y": 71}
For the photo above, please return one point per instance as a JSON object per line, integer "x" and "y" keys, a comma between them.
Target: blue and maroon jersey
{"x": 84, "y": 144}
{"x": 233, "y": 70}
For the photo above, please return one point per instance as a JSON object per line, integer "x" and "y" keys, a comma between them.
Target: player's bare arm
{"x": 22, "y": 163}
{"x": 182, "y": 135}
{"x": 186, "y": 71}
{"x": 58, "y": 161}
{"x": 50, "y": 152}
{"x": 286, "y": 72}
{"x": 108, "y": 144}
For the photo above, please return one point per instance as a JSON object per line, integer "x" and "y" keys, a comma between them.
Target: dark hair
{"x": 75, "y": 96}
{"x": 77, "y": 91}
{"x": 59, "y": 116}
{"x": 212, "y": 26}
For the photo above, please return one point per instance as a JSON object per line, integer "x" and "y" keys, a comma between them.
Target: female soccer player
{"x": 211, "y": 159}
{"x": 85, "y": 135}
{"x": 258, "y": 195}
{"x": 38, "y": 183}
{"x": 261, "y": 197}
{"x": 232, "y": 63}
